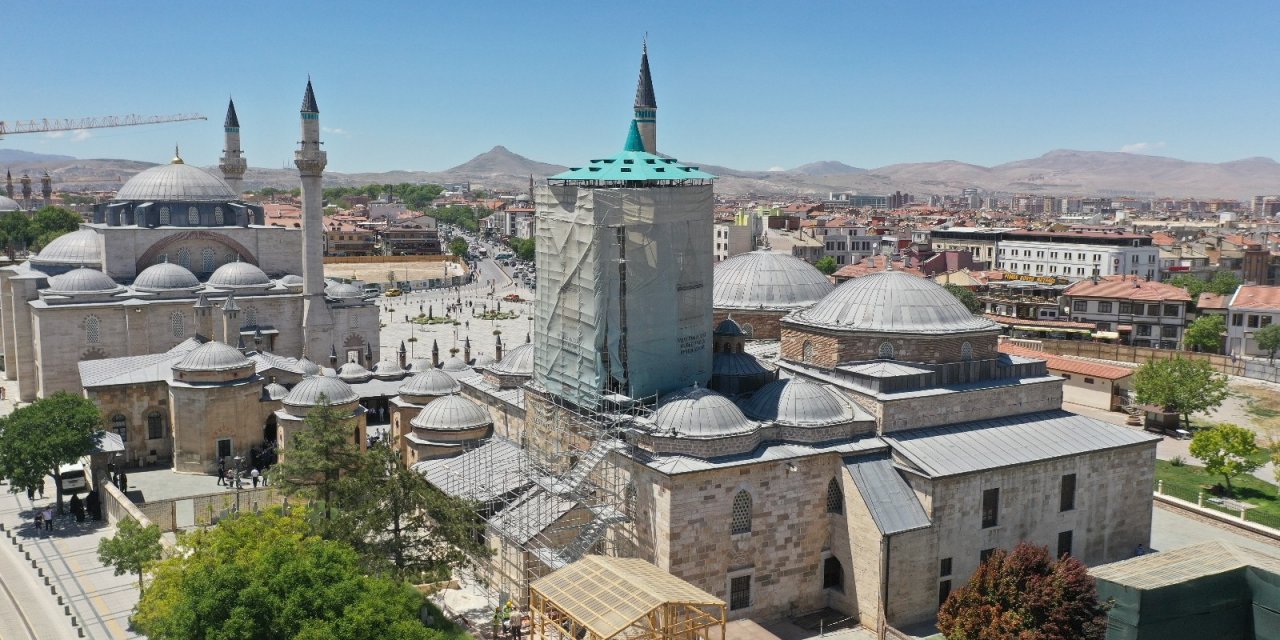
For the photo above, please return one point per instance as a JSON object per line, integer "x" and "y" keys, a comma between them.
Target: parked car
{"x": 392, "y": 293}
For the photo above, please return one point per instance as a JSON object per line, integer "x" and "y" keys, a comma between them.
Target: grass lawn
{"x": 1187, "y": 481}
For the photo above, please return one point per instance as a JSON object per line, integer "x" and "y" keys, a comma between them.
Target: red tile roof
{"x": 1256, "y": 297}
{"x": 1068, "y": 364}
{"x": 1212, "y": 301}
{"x": 873, "y": 264}
{"x": 1127, "y": 288}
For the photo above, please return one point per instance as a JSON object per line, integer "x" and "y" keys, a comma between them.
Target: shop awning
{"x": 1106, "y": 335}
{"x": 1051, "y": 329}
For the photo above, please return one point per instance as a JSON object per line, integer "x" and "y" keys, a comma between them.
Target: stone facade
{"x": 757, "y": 324}
{"x": 137, "y": 408}
{"x": 828, "y": 348}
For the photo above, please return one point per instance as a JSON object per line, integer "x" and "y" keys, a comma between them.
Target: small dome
{"x": 238, "y": 274}
{"x": 176, "y": 182}
{"x": 517, "y": 362}
{"x": 82, "y": 281}
{"x": 420, "y": 364}
{"x": 791, "y": 401}
{"x": 307, "y": 393}
{"x": 451, "y": 413}
{"x": 387, "y": 369}
{"x": 700, "y": 413}
{"x": 275, "y": 391}
{"x": 892, "y": 302}
{"x": 737, "y": 365}
{"x": 213, "y": 356}
{"x": 454, "y": 364}
{"x": 353, "y": 372}
{"x": 308, "y": 368}
{"x": 341, "y": 291}
{"x": 483, "y": 360}
{"x": 431, "y": 382}
{"x": 729, "y": 327}
{"x": 165, "y": 276}
{"x": 767, "y": 280}
{"x": 78, "y": 249}
{"x": 9, "y": 204}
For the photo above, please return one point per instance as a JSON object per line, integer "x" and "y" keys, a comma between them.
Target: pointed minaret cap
{"x": 230, "y": 305}
{"x": 202, "y": 301}
{"x": 309, "y": 99}
{"x": 644, "y": 87}
{"x": 634, "y": 141}
{"x": 232, "y": 120}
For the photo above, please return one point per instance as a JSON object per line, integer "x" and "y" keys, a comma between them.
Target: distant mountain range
{"x": 1054, "y": 173}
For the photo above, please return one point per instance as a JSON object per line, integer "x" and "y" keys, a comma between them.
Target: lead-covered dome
{"x": 238, "y": 274}
{"x": 309, "y": 368}
{"x": 82, "y": 281}
{"x": 165, "y": 276}
{"x": 431, "y": 382}
{"x": 700, "y": 413}
{"x": 517, "y": 362}
{"x": 451, "y": 413}
{"x": 796, "y": 402}
{"x": 76, "y": 249}
{"x": 213, "y": 356}
{"x": 176, "y": 182}
{"x": 342, "y": 291}
{"x": 353, "y": 372}
{"x": 307, "y": 393}
{"x": 9, "y": 204}
{"x": 892, "y": 302}
{"x": 767, "y": 280}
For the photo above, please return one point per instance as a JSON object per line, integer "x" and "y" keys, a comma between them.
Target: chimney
{"x": 497, "y": 348}
{"x": 435, "y": 354}
{"x": 466, "y": 349}
{"x": 403, "y": 354}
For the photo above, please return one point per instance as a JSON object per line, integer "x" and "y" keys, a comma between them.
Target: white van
{"x": 71, "y": 478}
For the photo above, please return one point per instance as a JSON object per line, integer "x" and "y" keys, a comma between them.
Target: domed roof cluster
{"x": 451, "y": 413}
{"x": 431, "y": 382}
{"x": 175, "y": 182}
{"x": 700, "y": 413}
{"x": 308, "y": 392}
{"x": 767, "y": 280}
{"x": 797, "y": 402}
{"x": 517, "y": 362}
{"x": 166, "y": 276}
{"x": 892, "y": 302}
{"x": 79, "y": 248}
{"x": 213, "y": 356}
{"x": 83, "y": 281}
{"x": 234, "y": 275}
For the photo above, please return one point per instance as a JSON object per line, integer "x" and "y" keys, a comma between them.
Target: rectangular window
{"x": 1171, "y": 310}
{"x": 984, "y": 554}
{"x": 1064, "y": 544}
{"x": 1168, "y": 332}
{"x": 1067, "y": 376}
{"x": 739, "y": 592}
{"x": 1097, "y": 257}
{"x": 1080, "y": 305}
{"x": 1053, "y": 255}
{"x": 1266, "y": 320}
{"x": 1134, "y": 259}
{"x": 1067, "y": 496}
{"x": 1104, "y": 307}
{"x": 1153, "y": 310}
{"x": 1144, "y": 329}
{"x": 944, "y": 567}
{"x": 1088, "y": 380}
{"x": 944, "y": 590}
{"x": 1253, "y": 322}
{"x": 990, "y": 508}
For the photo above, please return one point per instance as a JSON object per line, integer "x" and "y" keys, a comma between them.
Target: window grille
{"x": 177, "y": 325}
{"x": 808, "y": 351}
{"x": 164, "y": 215}
{"x": 886, "y": 351}
{"x": 835, "y": 497}
{"x": 184, "y": 258}
{"x": 193, "y": 215}
{"x": 218, "y": 218}
{"x": 740, "y": 592}
{"x": 966, "y": 351}
{"x": 155, "y": 426}
{"x": 120, "y": 425}
{"x": 208, "y": 260}
{"x": 741, "y": 520}
{"x": 92, "y": 330}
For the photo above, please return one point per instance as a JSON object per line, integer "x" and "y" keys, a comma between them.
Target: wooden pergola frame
{"x": 601, "y": 598}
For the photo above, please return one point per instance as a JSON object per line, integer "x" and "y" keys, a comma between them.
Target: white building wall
{"x": 1077, "y": 261}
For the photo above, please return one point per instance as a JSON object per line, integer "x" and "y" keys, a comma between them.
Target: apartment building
{"x": 981, "y": 243}
{"x": 846, "y": 242}
{"x": 1252, "y": 307}
{"x": 1075, "y": 255}
{"x": 1132, "y": 310}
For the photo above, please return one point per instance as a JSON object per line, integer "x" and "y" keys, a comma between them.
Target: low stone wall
{"x": 1218, "y": 516}
{"x": 1244, "y": 367}
{"x": 208, "y": 509}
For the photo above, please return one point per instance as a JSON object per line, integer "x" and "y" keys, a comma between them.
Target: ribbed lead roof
{"x": 644, "y": 86}
{"x": 892, "y": 302}
{"x": 893, "y": 505}
{"x": 176, "y": 182}
{"x": 767, "y": 280}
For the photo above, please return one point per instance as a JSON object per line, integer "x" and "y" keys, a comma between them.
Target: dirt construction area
{"x": 404, "y": 271}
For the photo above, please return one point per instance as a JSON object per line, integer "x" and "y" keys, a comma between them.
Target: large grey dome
{"x": 342, "y": 291}
{"x": 700, "y": 413}
{"x": 176, "y": 182}
{"x": 238, "y": 274}
{"x": 307, "y": 393}
{"x": 9, "y": 204}
{"x": 767, "y": 280}
{"x": 797, "y": 402}
{"x": 213, "y": 356}
{"x": 517, "y": 362}
{"x": 83, "y": 280}
{"x": 892, "y": 302}
{"x": 432, "y": 382}
{"x": 451, "y": 413}
{"x": 78, "y": 249}
{"x": 165, "y": 276}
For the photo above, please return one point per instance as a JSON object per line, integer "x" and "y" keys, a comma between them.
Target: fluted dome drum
{"x": 767, "y": 280}
{"x": 700, "y": 413}
{"x": 796, "y": 402}
{"x": 307, "y": 393}
{"x": 176, "y": 182}
{"x": 892, "y": 302}
{"x": 76, "y": 249}
{"x": 165, "y": 276}
{"x": 431, "y": 382}
{"x": 83, "y": 281}
{"x": 238, "y": 274}
{"x": 451, "y": 413}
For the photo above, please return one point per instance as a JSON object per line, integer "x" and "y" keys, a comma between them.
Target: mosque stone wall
{"x": 202, "y": 415}
{"x": 136, "y": 402}
{"x": 831, "y": 348}
{"x": 764, "y": 324}
{"x": 128, "y": 250}
{"x": 954, "y": 407}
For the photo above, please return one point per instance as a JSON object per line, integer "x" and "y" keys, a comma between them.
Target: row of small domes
{"x": 703, "y": 413}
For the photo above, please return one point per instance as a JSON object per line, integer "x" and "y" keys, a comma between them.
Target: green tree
{"x": 1223, "y": 283}
{"x": 1205, "y": 333}
{"x": 826, "y": 264}
{"x": 966, "y": 297}
{"x": 266, "y": 577}
{"x": 458, "y": 246}
{"x": 50, "y": 222}
{"x": 40, "y": 437}
{"x": 1268, "y": 339}
{"x": 16, "y": 231}
{"x": 466, "y": 217}
{"x": 524, "y": 248}
{"x": 1024, "y": 594}
{"x": 1226, "y": 450}
{"x": 132, "y": 550}
{"x": 1180, "y": 385}
{"x": 1194, "y": 285}
{"x": 319, "y": 463}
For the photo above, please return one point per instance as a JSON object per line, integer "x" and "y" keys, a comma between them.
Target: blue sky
{"x": 751, "y": 85}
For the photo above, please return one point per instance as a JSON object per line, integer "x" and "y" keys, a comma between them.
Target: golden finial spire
{"x": 177, "y": 157}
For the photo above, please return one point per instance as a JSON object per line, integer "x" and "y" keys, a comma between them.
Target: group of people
{"x": 89, "y": 507}
{"x": 511, "y": 620}
{"x": 235, "y": 478}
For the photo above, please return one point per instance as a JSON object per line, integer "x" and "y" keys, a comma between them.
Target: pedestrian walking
{"x": 91, "y": 503}
{"x": 517, "y": 624}
{"x": 31, "y": 494}
{"x": 39, "y": 519}
{"x": 222, "y": 473}
{"x": 77, "y": 508}
{"x": 124, "y": 482}
{"x": 48, "y": 518}
{"x": 226, "y": 478}
{"x": 254, "y": 475}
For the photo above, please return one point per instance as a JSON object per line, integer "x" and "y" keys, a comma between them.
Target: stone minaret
{"x": 317, "y": 321}
{"x": 646, "y": 113}
{"x": 26, "y": 191}
{"x": 8, "y": 184}
{"x": 46, "y": 189}
{"x": 233, "y": 164}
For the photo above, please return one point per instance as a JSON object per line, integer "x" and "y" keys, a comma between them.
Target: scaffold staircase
{"x": 593, "y": 532}
{"x": 571, "y": 483}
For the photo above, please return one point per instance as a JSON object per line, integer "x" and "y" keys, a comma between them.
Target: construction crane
{"x": 73, "y": 124}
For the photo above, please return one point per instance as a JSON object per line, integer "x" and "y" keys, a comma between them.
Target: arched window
{"x": 155, "y": 425}
{"x": 230, "y": 256}
{"x": 741, "y": 519}
{"x": 832, "y": 574}
{"x": 807, "y": 352}
{"x": 208, "y": 260}
{"x": 629, "y": 501}
{"x": 184, "y": 258}
{"x": 177, "y": 325}
{"x": 217, "y": 216}
{"x": 193, "y": 215}
{"x": 92, "y": 330}
{"x": 120, "y": 425}
{"x": 747, "y": 330}
{"x": 164, "y": 215}
{"x": 886, "y": 351}
{"x": 966, "y": 351}
{"x": 835, "y": 497}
